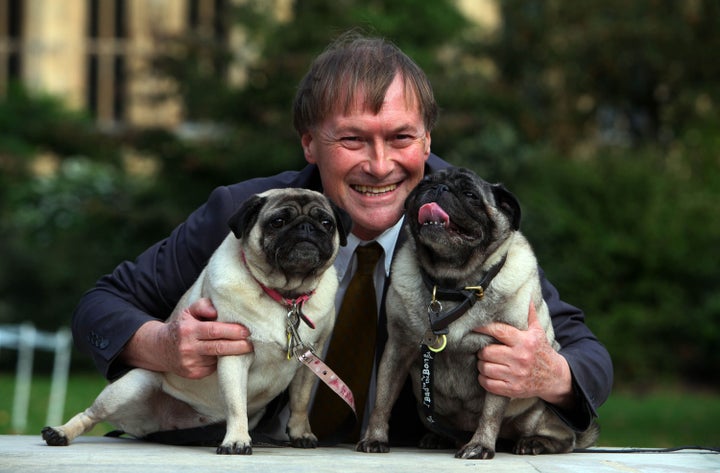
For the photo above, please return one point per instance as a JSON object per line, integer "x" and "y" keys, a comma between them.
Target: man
{"x": 364, "y": 113}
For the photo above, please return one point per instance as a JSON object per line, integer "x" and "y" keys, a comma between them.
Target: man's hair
{"x": 355, "y": 64}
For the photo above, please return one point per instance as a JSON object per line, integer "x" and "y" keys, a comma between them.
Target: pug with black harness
{"x": 273, "y": 274}
{"x": 463, "y": 265}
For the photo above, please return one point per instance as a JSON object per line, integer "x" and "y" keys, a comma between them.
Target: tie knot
{"x": 368, "y": 256}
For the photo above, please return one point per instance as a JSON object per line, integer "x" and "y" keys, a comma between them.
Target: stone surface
{"x": 29, "y": 454}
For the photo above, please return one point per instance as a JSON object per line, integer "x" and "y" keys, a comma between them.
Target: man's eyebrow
{"x": 405, "y": 128}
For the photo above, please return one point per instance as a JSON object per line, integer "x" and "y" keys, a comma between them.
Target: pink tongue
{"x": 432, "y": 212}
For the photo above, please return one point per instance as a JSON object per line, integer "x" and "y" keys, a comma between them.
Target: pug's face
{"x": 289, "y": 235}
{"x": 457, "y": 220}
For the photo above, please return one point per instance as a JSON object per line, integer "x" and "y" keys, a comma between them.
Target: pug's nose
{"x": 440, "y": 189}
{"x": 306, "y": 229}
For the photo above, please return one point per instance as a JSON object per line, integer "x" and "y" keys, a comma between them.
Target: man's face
{"x": 369, "y": 163}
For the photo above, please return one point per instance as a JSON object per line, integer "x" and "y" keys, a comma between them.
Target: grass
{"x": 668, "y": 417}
{"x": 82, "y": 390}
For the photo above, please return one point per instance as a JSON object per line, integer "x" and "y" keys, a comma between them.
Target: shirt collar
{"x": 387, "y": 240}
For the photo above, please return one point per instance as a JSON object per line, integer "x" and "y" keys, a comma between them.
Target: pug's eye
{"x": 277, "y": 223}
{"x": 471, "y": 195}
{"x": 327, "y": 224}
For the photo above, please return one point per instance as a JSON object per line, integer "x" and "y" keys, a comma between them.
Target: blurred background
{"x": 118, "y": 117}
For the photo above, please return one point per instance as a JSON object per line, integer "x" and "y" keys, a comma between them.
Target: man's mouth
{"x": 374, "y": 190}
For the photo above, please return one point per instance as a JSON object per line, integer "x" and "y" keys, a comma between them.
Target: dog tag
{"x": 435, "y": 343}
{"x": 293, "y": 339}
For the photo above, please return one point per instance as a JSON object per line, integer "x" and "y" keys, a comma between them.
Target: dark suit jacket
{"x": 110, "y": 313}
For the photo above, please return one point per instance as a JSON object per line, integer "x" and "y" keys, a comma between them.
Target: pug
{"x": 273, "y": 273}
{"x": 463, "y": 265}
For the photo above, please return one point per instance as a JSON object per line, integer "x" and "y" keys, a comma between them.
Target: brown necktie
{"x": 351, "y": 353}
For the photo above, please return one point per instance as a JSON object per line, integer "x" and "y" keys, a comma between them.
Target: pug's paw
{"x": 372, "y": 446}
{"x": 305, "y": 441}
{"x": 54, "y": 437}
{"x": 533, "y": 446}
{"x": 234, "y": 448}
{"x": 475, "y": 451}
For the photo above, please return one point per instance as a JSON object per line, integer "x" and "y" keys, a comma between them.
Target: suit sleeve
{"x": 589, "y": 361}
{"x": 148, "y": 288}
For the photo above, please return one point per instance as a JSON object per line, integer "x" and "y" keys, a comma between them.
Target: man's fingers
{"x": 503, "y": 333}
{"x": 226, "y": 347}
{"x": 222, "y": 331}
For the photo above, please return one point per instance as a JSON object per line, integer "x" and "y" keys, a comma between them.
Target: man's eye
{"x": 402, "y": 140}
{"x": 352, "y": 142}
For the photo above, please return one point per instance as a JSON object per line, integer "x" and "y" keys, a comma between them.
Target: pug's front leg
{"x": 298, "y": 426}
{"x": 233, "y": 378}
{"x": 482, "y": 444}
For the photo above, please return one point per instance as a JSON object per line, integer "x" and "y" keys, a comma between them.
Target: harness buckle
{"x": 479, "y": 291}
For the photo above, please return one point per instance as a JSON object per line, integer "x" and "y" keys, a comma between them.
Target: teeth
{"x": 437, "y": 224}
{"x": 375, "y": 190}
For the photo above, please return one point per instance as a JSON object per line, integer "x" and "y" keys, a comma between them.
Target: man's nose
{"x": 380, "y": 162}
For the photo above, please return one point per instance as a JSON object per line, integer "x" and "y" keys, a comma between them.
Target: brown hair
{"x": 353, "y": 63}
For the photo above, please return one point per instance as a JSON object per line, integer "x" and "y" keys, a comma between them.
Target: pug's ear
{"x": 343, "y": 222}
{"x": 246, "y": 216}
{"x": 508, "y": 204}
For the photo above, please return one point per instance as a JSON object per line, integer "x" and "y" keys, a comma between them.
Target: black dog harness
{"x": 435, "y": 339}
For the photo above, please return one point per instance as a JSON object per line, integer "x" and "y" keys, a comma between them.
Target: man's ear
{"x": 508, "y": 204}
{"x": 343, "y": 222}
{"x": 242, "y": 221}
{"x": 305, "y": 141}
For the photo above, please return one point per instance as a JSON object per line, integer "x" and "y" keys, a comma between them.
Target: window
{"x": 106, "y": 71}
{"x": 11, "y": 15}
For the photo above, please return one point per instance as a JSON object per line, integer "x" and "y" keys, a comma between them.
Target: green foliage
{"x": 629, "y": 237}
{"x": 565, "y": 72}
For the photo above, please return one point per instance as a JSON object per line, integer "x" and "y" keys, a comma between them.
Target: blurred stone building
{"x": 94, "y": 54}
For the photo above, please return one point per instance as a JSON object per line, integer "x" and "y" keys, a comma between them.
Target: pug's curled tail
{"x": 588, "y": 437}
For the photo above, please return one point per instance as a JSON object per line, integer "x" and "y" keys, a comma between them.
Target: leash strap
{"x": 427, "y": 405}
{"x": 328, "y": 376}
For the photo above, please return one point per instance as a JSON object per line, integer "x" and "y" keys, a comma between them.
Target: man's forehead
{"x": 358, "y": 101}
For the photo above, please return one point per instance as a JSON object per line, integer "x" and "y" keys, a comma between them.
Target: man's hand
{"x": 189, "y": 345}
{"x": 523, "y": 364}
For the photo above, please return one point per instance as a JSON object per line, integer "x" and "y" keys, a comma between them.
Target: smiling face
{"x": 369, "y": 162}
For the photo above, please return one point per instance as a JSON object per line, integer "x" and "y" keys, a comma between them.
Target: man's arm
{"x": 188, "y": 346}
{"x": 575, "y": 381}
{"x": 138, "y": 296}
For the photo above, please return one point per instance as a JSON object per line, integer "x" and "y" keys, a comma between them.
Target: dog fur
{"x": 286, "y": 239}
{"x": 467, "y": 227}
